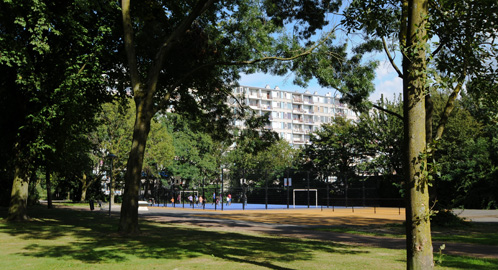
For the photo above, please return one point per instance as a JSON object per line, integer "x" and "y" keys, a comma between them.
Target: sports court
{"x": 300, "y": 215}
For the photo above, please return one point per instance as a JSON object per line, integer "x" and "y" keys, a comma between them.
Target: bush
{"x": 118, "y": 199}
{"x": 446, "y": 218}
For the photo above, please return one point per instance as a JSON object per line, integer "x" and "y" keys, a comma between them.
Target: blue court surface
{"x": 239, "y": 206}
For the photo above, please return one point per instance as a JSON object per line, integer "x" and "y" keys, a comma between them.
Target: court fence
{"x": 291, "y": 189}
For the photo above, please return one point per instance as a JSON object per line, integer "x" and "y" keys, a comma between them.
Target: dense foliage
{"x": 52, "y": 64}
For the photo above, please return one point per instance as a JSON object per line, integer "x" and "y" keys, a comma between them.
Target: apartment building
{"x": 293, "y": 115}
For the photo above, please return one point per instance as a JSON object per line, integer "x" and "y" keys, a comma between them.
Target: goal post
{"x": 311, "y": 190}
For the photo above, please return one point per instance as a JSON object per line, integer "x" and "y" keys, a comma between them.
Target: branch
{"x": 241, "y": 63}
{"x": 436, "y": 5}
{"x": 166, "y": 47}
{"x": 163, "y": 102}
{"x": 388, "y": 111}
{"x": 250, "y": 62}
{"x": 391, "y": 60}
{"x": 450, "y": 104}
{"x": 129, "y": 47}
{"x": 230, "y": 93}
{"x": 437, "y": 50}
{"x": 82, "y": 68}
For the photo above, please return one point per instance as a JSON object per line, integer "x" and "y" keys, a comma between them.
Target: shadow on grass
{"x": 459, "y": 262}
{"x": 91, "y": 237}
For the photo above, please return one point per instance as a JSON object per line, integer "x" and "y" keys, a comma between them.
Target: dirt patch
{"x": 283, "y": 223}
{"x": 324, "y": 217}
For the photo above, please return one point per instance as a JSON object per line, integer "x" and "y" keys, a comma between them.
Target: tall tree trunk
{"x": 128, "y": 223}
{"x": 144, "y": 96}
{"x": 49, "y": 188}
{"x": 19, "y": 195}
{"x": 418, "y": 232}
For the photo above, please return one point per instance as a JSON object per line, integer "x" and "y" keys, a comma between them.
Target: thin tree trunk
{"x": 84, "y": 187}
{"x": 429, "y": 114}
{"x": 49, "y": 188}
{"x": 146, "y": 186}
{"x": 112, "y": 186}
{"x": 419, "y": 242}
{"x": 450, "y": 105}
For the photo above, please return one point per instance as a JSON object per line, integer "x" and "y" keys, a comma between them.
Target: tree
{"x": 161, "y": 151}
{"x": 337, "y": 148}
{"x": 113, "y": 135}
{"x": 467, "y": 152}
{"x": 250, "y": 141}
{"x": 278, "y": 157}
{"x": 194, "y": 152}
{"x": 481, "y": 101}
{"x": 51, "y": 58}
{"x": 188, "y": 54}
{"x": 385, "y": 130}
{"x": 464, "y": 43}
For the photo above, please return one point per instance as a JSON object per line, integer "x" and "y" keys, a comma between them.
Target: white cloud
{"x": 387, "y": 88}
{"x": 384, "y": 69}
{"x": 262, "y": 79}
{"x": 387, "y": 83}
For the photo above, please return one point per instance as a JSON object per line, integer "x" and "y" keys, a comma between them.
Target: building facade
{"x": 293, "y": 115}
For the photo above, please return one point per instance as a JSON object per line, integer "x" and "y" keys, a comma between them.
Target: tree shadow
{"x": 461, "y": 262}
{"x": 90, "y": 237}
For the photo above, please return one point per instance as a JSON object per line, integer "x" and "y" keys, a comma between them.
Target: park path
{"x": 299, "y": 224}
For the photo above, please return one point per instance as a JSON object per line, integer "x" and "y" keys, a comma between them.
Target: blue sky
{"x": 386, "y": 82}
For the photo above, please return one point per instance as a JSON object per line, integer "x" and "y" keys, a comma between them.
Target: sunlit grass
{"x": 65, "y": 238}
{"x": 475, "y": 233}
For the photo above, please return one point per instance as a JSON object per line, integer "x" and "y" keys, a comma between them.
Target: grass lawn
{"x": 66, "y": 238}
{"x": 472, "y": 233}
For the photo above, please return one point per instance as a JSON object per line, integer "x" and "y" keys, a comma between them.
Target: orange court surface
{"x": 363, "y": 216}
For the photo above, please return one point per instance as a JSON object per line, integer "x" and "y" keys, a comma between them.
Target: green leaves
{"x": 336, "y": 148}
{"x": 53, "y": 84}
{"x": 195, "y": 153}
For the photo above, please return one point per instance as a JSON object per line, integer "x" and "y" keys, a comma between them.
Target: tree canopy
{"x": 441, "y": 43}
{"x": 51, "y": 60}
{"x": 187, "y": 55}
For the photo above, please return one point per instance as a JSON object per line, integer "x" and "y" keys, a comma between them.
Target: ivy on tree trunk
{"x": 418, "y": 231}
